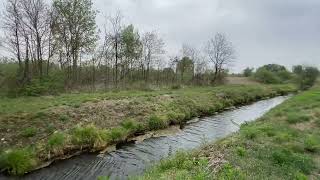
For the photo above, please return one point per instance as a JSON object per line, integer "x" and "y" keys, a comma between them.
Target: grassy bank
{"x": 37, "y": 130}
{"x": 283, "y": 144}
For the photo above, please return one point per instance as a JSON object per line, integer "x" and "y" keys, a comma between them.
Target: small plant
{"x": 29, "y": 132}
{"x": 132, "y": 126}
{"x": 17, "y": 162}
{"x": 241, "y": 151}
{"x": 156, "y": 123}
{"x": 56, "y": 141}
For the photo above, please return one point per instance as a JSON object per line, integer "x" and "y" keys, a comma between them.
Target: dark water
{"x": 133, "y": 159}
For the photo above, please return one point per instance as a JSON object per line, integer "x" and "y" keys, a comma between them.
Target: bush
{"x": 17, "y": 162}
{"x": 306, "y": 76}
{"x": 29, "y": 132}
{"x": 264, "y": 76}
{"x": 156, "y": 123}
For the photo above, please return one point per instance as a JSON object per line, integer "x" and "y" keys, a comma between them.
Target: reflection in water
{"x": 132, "y": 159}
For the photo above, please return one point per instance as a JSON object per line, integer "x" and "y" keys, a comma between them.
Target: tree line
{"x": 63, "y": 38}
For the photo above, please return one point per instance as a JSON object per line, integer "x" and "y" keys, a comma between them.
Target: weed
{"x": 132, "y": 126}
{"x": 29, "y": 132}
{"x": 250, "y": 132}
{"x": 229, "y": 172}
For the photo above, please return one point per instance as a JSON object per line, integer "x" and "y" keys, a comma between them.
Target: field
{"x": 283, "y": 144}
{"x": 41, "y": 129}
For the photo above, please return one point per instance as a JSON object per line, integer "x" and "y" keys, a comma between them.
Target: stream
{"x": 133, "y": 158}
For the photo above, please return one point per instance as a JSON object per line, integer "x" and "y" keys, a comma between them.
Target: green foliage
{"x": 273, "y": 74}
{"x": 118, "y": 134}
{"x": 156, "y": 123}
{"x": 17, "y": 162}
{"x": 228, "y": 173}
{"x": 29, "y": 132}
{"x": 85, "y": 135}
{"x": 241, "y": 151}
{"x": 64, "y": 118}
{"x": 306, "y": 76}
{"x": 284, "y": 157}
{"x": 249, "y": 131}
{"x": 312, "y": 143}
{"x": 248, "y": 72}
{"x": 56, "y": 141}
{"x": 295, "y": 117}
{"x": 132, "y": 126}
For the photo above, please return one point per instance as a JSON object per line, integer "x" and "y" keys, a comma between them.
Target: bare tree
{"x": 220, "y": 52}
{"x": 153, "y": 46}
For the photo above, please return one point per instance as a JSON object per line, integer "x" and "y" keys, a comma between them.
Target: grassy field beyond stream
{"x": 35, "y": 131}
{"x": 283, "y": 144}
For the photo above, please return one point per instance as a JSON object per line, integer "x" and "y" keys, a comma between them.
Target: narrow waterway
{"x": 133, "y": 159}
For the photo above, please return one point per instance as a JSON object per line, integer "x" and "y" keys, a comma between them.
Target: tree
{"x": 248, "y": 72}
{"x": 306, "y": 76}
{"x": 75, "y": 29}
{"x": 220, "y": 52}
{"x": 152, "y": 48}
{"x": 185, "y": 68}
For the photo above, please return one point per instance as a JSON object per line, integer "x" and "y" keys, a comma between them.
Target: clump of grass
{"x": 156, "y": 123}
{"x": 85, "y": 135}
{"x": 301, "y": 162}
{"x": 300, "y": 176}
{"x": 118, "y": 134}
{"x": 17, "y": 162}
{"x": 29, "y": 132}
{"x": 249, "y": 132}
{"x": 294, "y": 118}
{"x": 241, "y": 151}
{"x": 56, "y": 141}
{"x": 312, "y": 143}
{"x": 64, "y": 118}
{"x": 40, "y": 114}
{"x": 229, "y": 172}
{"x": 175, "y": 117}
{"x": 132, "y": 126}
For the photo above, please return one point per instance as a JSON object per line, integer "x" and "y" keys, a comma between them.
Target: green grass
{"x": 283, "y": 144}
{"x": 29, "y": 132}
{"x": 94, "y": 121}
{"x": 17, "y": 162}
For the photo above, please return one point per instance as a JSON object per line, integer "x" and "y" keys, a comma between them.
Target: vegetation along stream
{"x": 132, "y": 159}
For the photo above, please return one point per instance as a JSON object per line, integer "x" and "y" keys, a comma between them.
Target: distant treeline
{"x": 62, "y": 42}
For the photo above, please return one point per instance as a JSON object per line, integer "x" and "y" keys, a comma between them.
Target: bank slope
{"x": 35, "y": 138}
{"x": 283, "y": 144}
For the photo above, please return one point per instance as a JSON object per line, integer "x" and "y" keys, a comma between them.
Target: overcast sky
{"x": 263, "y": 31}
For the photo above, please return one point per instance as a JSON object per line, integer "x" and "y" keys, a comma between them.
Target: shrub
{"x": 29, "y": 132}
{"x": 267, "y": 77}
{"x": 156, "y": 122}
{"x": 17, "y": 162}
{"x": 56, "y": 141}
